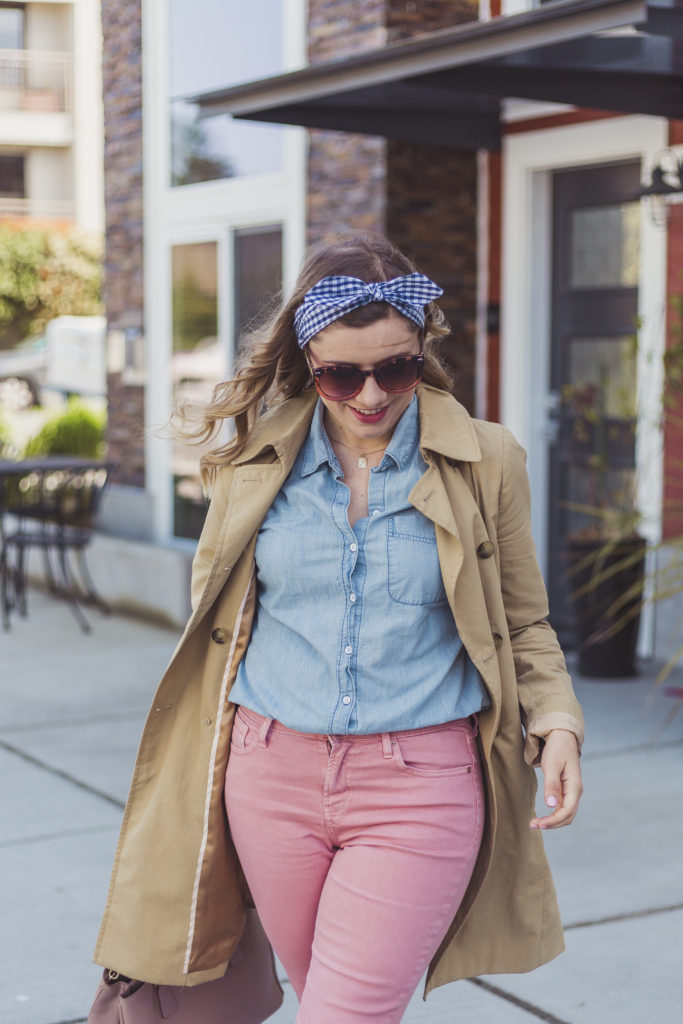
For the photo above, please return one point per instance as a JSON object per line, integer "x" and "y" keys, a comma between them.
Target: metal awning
{"x": 447, "y": 87}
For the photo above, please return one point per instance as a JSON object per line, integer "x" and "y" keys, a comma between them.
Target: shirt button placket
{"x": 347, "y": 675}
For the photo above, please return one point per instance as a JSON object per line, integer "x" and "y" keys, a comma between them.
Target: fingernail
{"x": 551, "y": 801}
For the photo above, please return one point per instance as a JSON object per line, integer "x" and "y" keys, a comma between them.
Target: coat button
{"x": 219, "y": 636}
{"x": 497, "y": 641}
{"x": 485, "y": 549}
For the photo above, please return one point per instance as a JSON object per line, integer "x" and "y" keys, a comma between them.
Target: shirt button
{"x": 353, "y": 547}
{"x": 375, "y": 512}
{"x": 352, "y": 598}
{"x": 348, "y": 649}
{"x": 346, "y": 700}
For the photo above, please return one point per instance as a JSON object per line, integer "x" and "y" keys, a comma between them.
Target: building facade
{"x": 550, "y": 263}
{"x": 51, "y": 122}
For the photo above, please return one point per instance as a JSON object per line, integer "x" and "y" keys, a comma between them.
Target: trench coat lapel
{"x": 446, "y": 430}
{"x": 442, "y": 494}
{"x": 255, "y": 477}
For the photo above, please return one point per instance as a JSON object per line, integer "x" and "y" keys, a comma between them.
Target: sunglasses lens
{"x": 339, "y": 382}
{"x": 400, "y": 375}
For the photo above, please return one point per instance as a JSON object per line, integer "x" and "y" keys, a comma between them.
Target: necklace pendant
{"x": 362, "y": 462}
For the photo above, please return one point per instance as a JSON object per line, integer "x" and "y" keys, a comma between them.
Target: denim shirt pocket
{"x": 413, "y": 570}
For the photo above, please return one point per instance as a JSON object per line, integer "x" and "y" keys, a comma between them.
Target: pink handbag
{"x": 248, "y": 993}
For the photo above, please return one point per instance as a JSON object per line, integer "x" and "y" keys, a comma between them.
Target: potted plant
{"x": 606, "y": 554}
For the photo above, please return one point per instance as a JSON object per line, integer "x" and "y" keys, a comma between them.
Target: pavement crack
{"x": 60, "y": 774}
{"x": 632, "y": 915}
{"x": 64, "y": 834}
{"x": 58, "y": 723}
{"x": 522, "y": 1004}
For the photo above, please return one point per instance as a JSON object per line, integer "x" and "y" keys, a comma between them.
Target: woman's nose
{"x": 371, "y": 395}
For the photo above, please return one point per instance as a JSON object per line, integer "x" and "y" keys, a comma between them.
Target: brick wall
{"x": 123, "y": 278}
{"x": 672, "y": 518}
{"x": 432, "y": 216}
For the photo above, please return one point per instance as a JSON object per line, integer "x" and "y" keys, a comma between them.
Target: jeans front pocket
{"x": 414, "y": 573}
{"x": 436, "y": 753}
{"x": 244, "y": 736}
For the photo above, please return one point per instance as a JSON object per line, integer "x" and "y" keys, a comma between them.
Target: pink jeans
{"x": 357, "y": 851}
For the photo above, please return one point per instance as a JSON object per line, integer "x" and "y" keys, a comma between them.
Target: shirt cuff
{"x": 539, "y": 728}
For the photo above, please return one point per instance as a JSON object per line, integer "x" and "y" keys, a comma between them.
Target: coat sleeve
{"x": 545, "y": 691}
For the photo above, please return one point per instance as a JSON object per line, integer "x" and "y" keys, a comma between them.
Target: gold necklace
{"x": 362, "y": 456}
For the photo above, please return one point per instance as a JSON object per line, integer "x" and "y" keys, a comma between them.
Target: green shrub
{"x": 78, "y": 430}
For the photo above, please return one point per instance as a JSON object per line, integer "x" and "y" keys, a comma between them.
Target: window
{"x": 605, "y": 246}
{"x": 12, "y": 177}
{"x": 258, "y": 276}
{"x": 197, "y": 364}
{"x": 237, "y": 42}
{"x": 199, "y": 358}
{"x": 11, "y": 27}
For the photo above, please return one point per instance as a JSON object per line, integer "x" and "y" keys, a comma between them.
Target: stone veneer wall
{"x": 423, "y": 197}
{"x": 345, "y": 187}
{"x": 123, "y": 278}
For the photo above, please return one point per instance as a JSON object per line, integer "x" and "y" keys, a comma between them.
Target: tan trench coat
{"x": 175, "y": 908}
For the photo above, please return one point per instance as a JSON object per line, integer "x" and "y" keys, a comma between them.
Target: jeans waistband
{"x": 267, "y": 725}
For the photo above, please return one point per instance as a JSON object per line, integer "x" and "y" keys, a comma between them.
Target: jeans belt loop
{"x": 387, "y": 745}
{"x": 264, "y": 731}
{"x": 474, "y": 719}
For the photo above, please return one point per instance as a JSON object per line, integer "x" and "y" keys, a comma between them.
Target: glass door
{"x": 593, "y": 362}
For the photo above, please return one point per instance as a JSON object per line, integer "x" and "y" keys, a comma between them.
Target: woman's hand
{"x": 563, "y": 786}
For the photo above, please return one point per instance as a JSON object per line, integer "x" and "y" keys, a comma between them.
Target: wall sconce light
{"x": 665, "y": 187}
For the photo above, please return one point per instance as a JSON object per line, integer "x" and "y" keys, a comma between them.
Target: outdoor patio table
{"x": 49, "y": 503}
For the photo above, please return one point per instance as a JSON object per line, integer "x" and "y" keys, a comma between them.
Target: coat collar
{"x": 282, "y": 430}
{"x": 446, "y": 428}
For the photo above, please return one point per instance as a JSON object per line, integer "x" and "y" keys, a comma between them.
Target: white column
{"x": 88, "y": 116}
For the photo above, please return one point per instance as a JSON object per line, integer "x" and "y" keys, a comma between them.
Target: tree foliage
{"x": 46, "y": 272}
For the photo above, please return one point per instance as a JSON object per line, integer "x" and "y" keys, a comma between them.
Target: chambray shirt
{"x": 353, "y": 633}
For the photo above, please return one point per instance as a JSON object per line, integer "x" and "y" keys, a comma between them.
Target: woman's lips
{"x": 372, "y": 417}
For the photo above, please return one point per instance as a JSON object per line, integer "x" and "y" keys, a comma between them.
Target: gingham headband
{"x": 334, "y": 297}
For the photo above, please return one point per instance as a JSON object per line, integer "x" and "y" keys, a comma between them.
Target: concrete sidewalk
{"x": 70, "y": 717}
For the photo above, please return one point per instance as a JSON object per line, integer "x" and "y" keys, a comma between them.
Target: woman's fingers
{"x": 562, "y": 773}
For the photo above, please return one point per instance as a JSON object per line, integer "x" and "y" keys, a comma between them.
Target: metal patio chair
{"x": 50, "y": 504}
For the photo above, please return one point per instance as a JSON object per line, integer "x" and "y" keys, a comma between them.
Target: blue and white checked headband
{"x": 334, "y": 297}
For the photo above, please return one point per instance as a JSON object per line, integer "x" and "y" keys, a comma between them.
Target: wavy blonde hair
{"x": 272, "y": 368}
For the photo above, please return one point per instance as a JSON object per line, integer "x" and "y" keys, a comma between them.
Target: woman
{"x": 368, "y": 643}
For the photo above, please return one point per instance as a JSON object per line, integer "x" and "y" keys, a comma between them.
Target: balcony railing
{"x": 31, "y": 80}
{"x": 36, "y": 209}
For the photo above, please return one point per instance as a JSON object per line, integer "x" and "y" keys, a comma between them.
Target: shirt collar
{"x": 318, "y": 449}
{"x": 445, "y": 428}
{"x": 404, "y": 440}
